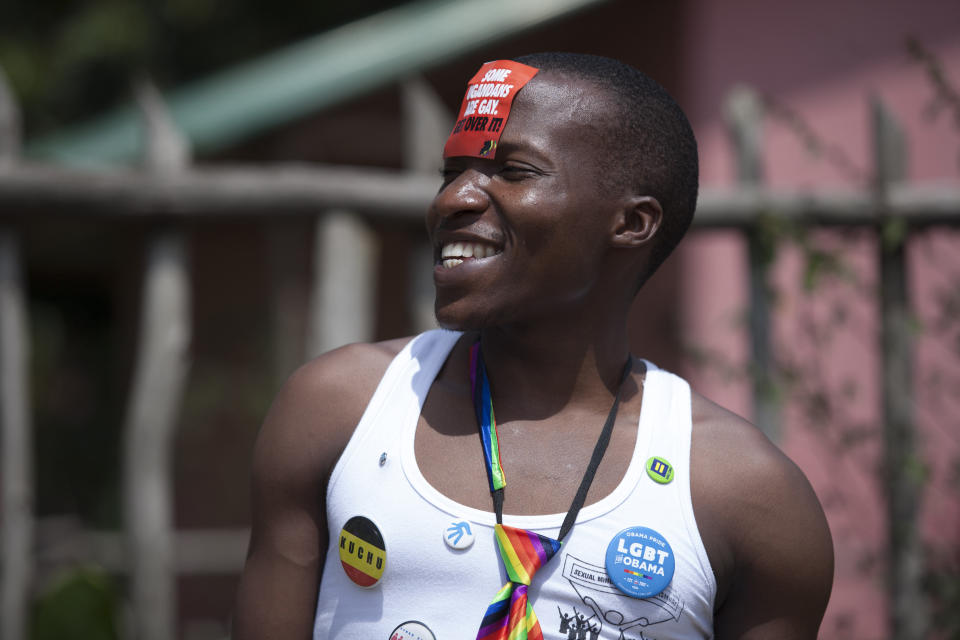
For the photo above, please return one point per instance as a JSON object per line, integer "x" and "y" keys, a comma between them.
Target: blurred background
{"x": 198, "y": 196}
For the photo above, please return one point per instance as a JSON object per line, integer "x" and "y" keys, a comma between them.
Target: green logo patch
{"x": 659, "y": 470}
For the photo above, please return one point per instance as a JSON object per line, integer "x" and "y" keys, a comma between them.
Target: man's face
{"x": 523, "y": 236}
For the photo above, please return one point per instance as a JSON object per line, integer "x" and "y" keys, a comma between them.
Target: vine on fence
{"x": 827, "y": 275}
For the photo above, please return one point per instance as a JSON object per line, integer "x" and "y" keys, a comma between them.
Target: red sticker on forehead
{"x": 485, "y": 108}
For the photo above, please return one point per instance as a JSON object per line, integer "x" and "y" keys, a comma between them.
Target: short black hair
{"x": 655, "y": 149}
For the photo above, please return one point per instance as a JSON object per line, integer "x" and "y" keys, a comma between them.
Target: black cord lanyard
{"x": 479, "y": 377}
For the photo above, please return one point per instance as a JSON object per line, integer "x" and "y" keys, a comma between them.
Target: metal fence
{"x": 343, "y": 200}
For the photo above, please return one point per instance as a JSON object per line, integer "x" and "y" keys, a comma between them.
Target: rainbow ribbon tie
{"x": 510, "y": 616}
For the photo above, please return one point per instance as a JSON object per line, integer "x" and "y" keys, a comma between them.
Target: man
{"x": 369, "y": 471}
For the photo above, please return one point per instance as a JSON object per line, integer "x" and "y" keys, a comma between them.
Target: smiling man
{"x": 603, "y": 498}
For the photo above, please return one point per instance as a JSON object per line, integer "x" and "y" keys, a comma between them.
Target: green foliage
{"x": 773, "y": 231}
{"x": 917, "y": 469}
{"x": 770, "y": 230}
{"x": 946, "y": 97}
{"x": 893, "y": 233}
{"x": 68, "y": 61}
{"x": 942, "y": 584}
{"x": 819, "y": 148}
{"x": 81, "y": 605}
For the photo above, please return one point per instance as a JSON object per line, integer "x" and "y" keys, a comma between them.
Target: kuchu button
{"x": 362, "y": 552}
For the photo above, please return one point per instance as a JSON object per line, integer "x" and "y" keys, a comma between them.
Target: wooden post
{"x": 744, "y": 112}
{"x": 17, "y": 443}
{"x": 9, "y": 125}
{"x": 342, "y": 303}
{"x": 903, "y": 474}
{"x": 166, "y": 152}
{"x": 426, "y": 124}
{"x": 157, "y": 388}
{"x": 289, "y": 294}
{"x": 17, "y": 436}
{"x": 422, "y": 294}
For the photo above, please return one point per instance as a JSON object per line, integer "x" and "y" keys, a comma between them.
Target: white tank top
{"x": 427, "y": 587}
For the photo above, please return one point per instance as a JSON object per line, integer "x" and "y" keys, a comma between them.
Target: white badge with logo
{"x": 458, "y": 535}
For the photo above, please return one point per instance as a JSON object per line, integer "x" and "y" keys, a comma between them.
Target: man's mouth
{"x": 454, "y": 254}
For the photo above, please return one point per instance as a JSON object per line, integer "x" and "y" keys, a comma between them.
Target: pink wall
{"x": 823, "y": 60}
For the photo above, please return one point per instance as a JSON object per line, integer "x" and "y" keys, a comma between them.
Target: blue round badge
{"x": 640, "y": 562}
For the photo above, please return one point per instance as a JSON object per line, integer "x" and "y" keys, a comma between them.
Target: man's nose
{"x": 466, "y": 193}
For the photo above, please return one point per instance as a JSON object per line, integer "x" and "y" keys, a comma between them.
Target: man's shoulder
{"x": 729, "y": 449}
{"x": 317, "y": 409}
{"x": 758, "y": 515}
{"x": 338, "y": 384}
{"x": 350, "y": 371}
{"x": 738, "y": 472}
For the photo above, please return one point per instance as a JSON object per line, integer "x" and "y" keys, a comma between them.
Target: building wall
{"x": 818, "y": 63}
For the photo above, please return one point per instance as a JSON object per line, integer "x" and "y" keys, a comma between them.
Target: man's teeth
{"x": 453, "y": 254}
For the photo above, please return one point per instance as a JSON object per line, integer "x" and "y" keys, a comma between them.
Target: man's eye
{"x": 514, "y": 172}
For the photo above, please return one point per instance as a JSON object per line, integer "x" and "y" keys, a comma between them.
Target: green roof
{"x": 295, "y": 81}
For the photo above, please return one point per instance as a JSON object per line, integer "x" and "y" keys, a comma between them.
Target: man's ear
{"x": 637, "y": 222}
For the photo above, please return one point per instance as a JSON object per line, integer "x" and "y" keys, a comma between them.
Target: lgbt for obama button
{"x": 640, "y": 562}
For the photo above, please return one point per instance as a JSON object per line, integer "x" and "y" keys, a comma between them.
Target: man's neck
{"x": 537, "y": 372}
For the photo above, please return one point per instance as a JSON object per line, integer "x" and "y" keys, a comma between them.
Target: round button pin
{"x": 412, "y": 630}
{"x": 458, "y": 535}
{"x": 640, "y": 562}
{"x": 362, "y": 552}
{"x": 659, "y": 470}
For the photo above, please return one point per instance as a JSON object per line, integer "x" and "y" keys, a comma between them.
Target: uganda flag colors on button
{"x": 362, "y": 552}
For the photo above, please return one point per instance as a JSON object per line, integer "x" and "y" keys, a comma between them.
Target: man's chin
{"x": 458, "y": 324}
{"x": 458, "y": 320}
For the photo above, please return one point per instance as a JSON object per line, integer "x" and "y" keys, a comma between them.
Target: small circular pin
{"x": 640, "y": 562}
{"x": 362, "y": 552}
{"x": 659, "y": 470}
{"x": 412, "y": 630}
{"x": 458, "y": 535}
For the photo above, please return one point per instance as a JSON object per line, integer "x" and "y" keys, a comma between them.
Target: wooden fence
{"x": 343, "y": 200}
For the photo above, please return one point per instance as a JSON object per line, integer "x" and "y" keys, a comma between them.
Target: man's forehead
{"x": 560, "y": 110}
{"x": 555, "y": 94}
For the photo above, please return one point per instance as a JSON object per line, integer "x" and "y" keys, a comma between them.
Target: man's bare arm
{"x": 304, "y": 434}
{"x": 764, "y": 529}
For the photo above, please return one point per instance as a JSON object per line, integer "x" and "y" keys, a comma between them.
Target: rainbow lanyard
{"x": 483, "y": 405}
